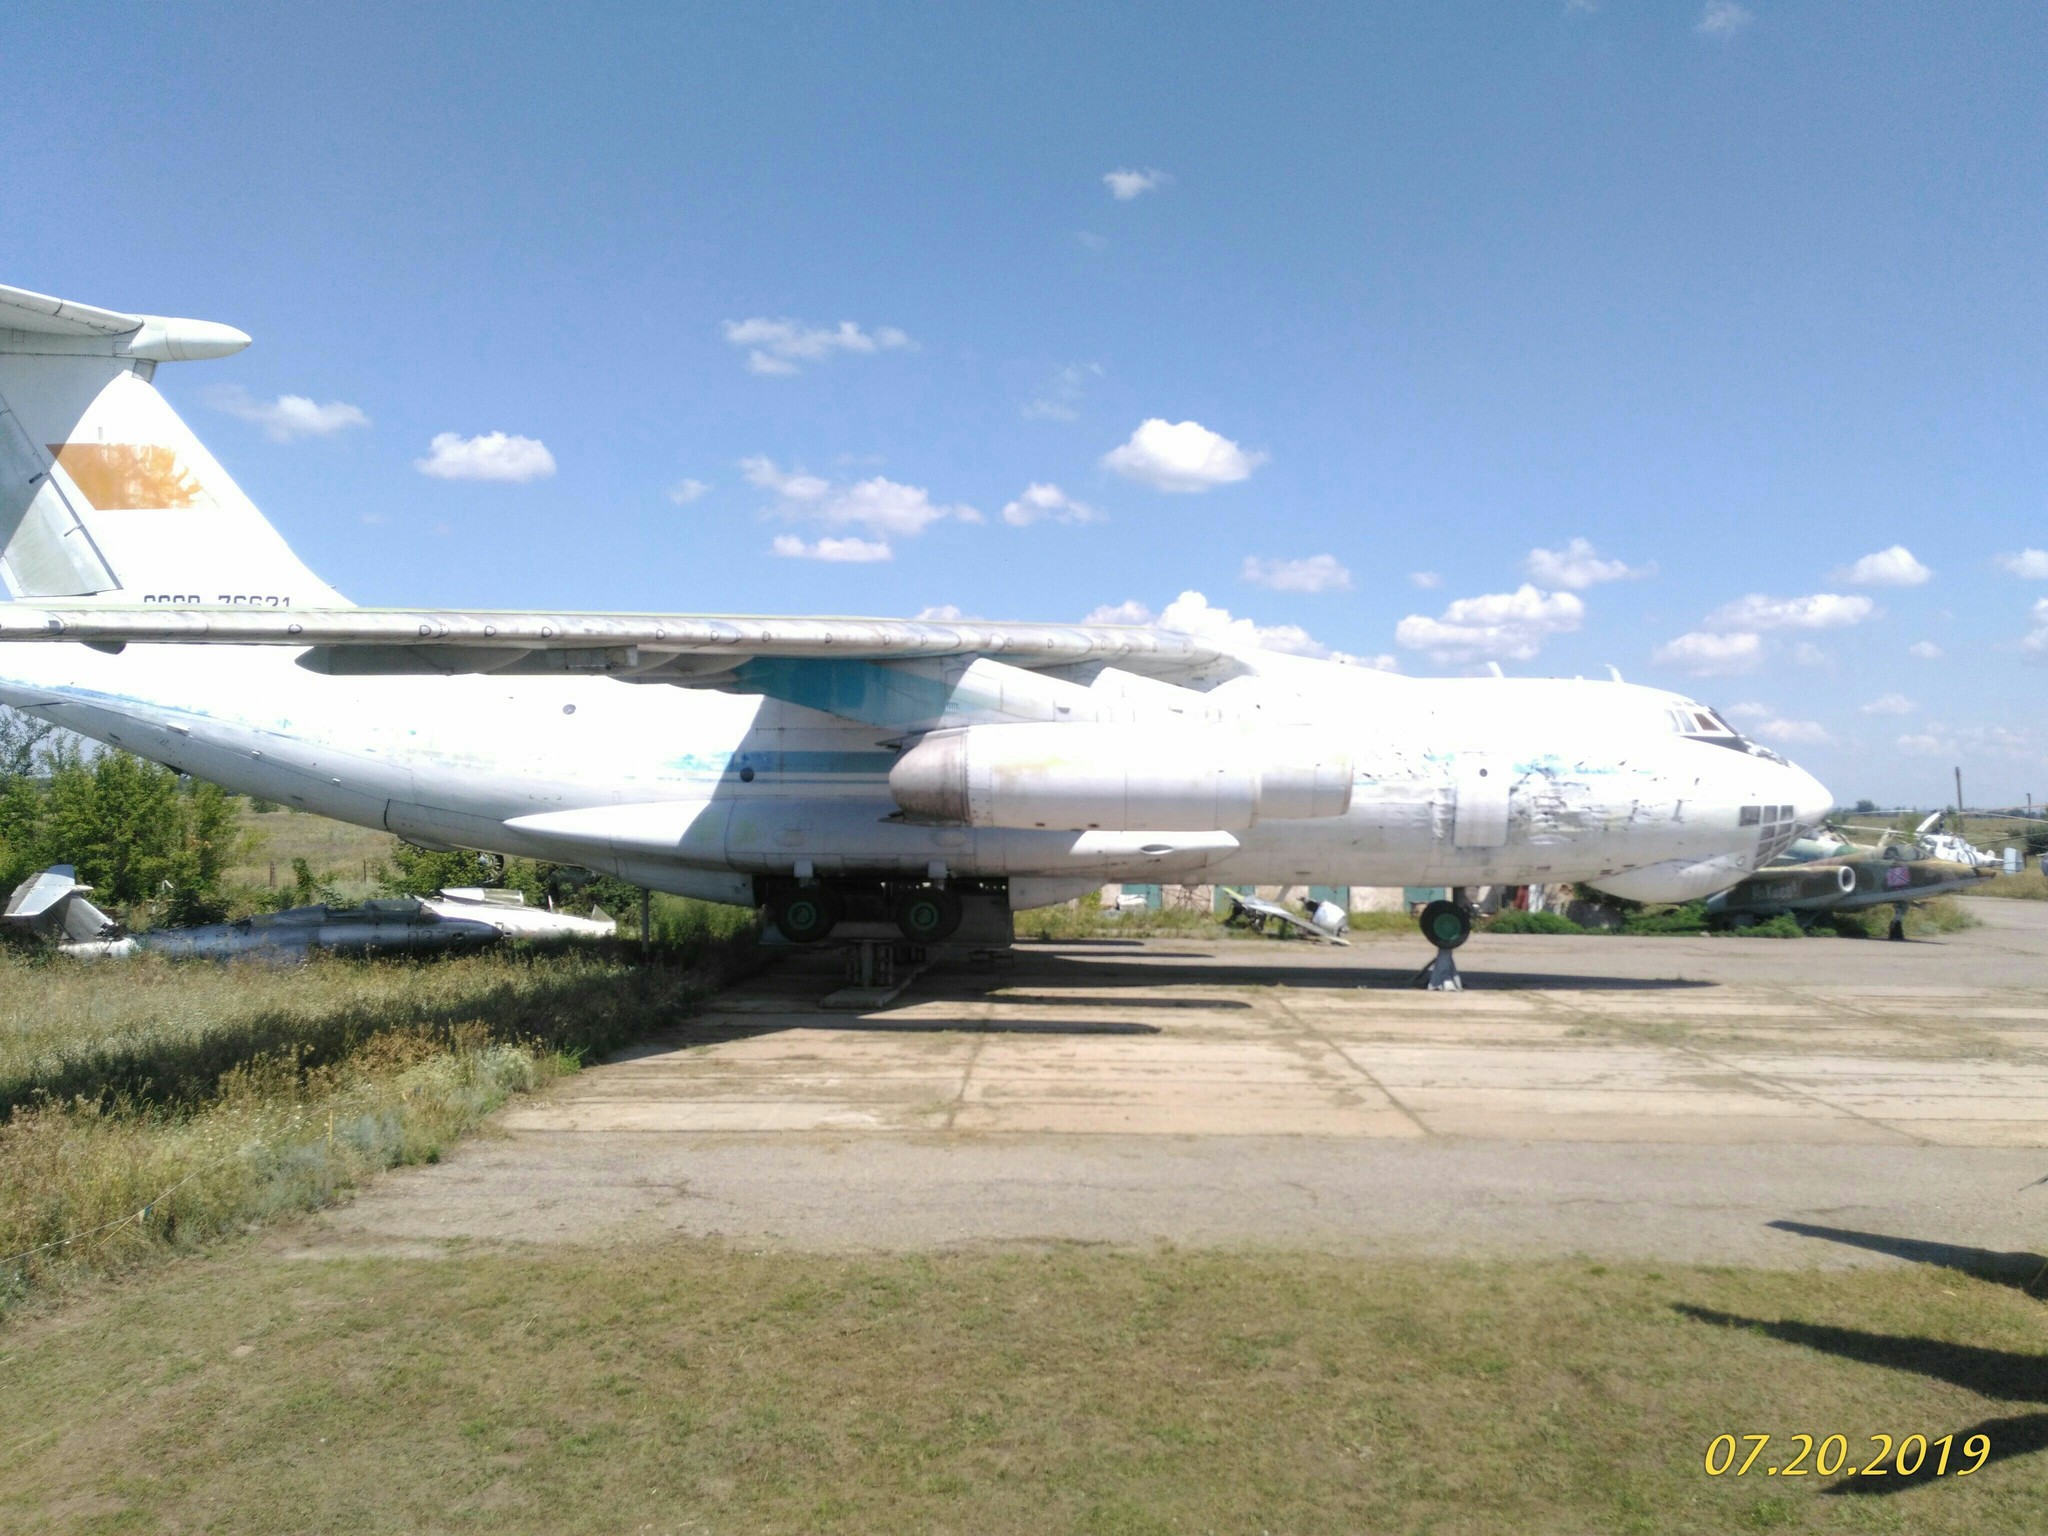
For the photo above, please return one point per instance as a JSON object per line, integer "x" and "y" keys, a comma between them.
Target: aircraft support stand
{"x": 1441, "y": 974}
{"x": 877, "y": 973}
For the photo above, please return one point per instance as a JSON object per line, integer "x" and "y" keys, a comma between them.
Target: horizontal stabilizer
{"x": 37, "y": 323}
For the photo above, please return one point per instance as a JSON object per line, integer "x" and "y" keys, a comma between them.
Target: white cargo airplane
{"x": 824, "y": 768}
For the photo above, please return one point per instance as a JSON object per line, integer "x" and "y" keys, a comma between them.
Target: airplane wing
{"x": 684, "y": 648}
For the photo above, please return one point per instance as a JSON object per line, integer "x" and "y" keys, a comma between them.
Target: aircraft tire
{"x": 1446, "y": 924}
{"x": 806, "y": 915}
{"x": 927, "y": 914}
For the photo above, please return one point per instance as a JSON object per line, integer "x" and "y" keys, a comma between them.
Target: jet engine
{"x": 1121, "y": 776}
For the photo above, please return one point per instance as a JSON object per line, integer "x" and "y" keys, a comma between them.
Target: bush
{"x": 1532, "y": 922}
{"x": 1690, "y": 918}
{"x": 1783, "y": 926}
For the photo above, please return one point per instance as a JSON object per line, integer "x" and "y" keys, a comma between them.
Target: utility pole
{"x": 1959, "y": 800}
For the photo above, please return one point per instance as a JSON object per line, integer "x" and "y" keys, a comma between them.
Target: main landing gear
{"x": 808, "y": 914}
{"x": 1446, "y": 924}
{"x": 1898, "y": 929}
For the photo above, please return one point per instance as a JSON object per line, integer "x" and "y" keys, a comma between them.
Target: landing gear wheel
{"x": 1446, "y": 924}
{"x": 806, "y": 915}
{"x": 926, "y": 915}
{"x": 1898, "y": 929}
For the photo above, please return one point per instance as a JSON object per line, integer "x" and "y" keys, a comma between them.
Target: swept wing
{"x": 655, "y": 647}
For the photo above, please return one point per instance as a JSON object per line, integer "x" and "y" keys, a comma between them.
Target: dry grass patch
{"x": 2030, "y": 885}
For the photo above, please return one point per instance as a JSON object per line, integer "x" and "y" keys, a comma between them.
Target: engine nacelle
{"x": 1121, "y": 776}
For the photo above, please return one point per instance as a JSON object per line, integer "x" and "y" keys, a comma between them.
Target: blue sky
{"x": 1737, "y": 295}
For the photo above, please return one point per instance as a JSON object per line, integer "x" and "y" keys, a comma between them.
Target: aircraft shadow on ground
{"x": 2018, "y": 1269}
{"x": 1995, "y": 1373}
{"x": 1113, "y": 970}
{"x": 725, "y": 1030}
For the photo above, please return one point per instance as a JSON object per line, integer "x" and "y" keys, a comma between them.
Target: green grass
{"x": 691, "y": 1387}
{"x": 1944, "y": 914}
{"x": 152, "y": 1105}
{"x": 341, "y": 854}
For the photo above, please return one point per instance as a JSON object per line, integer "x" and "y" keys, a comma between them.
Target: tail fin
{"x": 105, "y": 494}
{"x": 52, "y": 906}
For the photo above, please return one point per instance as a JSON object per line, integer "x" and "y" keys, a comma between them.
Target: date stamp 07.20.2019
{"x": 1803, "y": 1456}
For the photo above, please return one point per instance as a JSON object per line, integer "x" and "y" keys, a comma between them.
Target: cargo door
{"x": 1482, "y": 802}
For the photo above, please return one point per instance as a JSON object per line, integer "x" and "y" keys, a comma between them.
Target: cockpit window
{"x": 1704, "y": 724}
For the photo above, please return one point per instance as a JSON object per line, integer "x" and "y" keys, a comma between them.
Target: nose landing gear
{"x": 1446, "y": 924}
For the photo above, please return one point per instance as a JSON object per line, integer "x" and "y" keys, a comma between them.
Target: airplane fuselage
{"x": 711, "y": 794}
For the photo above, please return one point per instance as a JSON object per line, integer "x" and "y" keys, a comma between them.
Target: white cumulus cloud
{"x": 791, "y": 485}
{"x": 1427, "y": 580}
{"x": 1797, "y": 732}
{"x": 1888, "y": 704}
{"x": 1926, "y": 744}
{"x": 877, "y": 506}
{"x": 1823, "y": 610}
{"x": 1926, "y": 650}
{"x": 846, "y": 551}
{"x": 1046, "y": 503}
{"x": 1721, "y": 17}
{"x": 1712, "y": 655}
{"x": 941, "y": 613}
{"x": 1061, "y": 398}
{"x": 288, "y": 417}
{"x": 2030, "y": 563}
{"x": 784, "y": 346}
{"x": 683, "y": 492}
{"x": 1126, "y": 184}
{"x": 1578, "y": 566}
{"x": 1499, "y": 626}
{"x": 1193, "y": 614}
{"x": 1894, "y": 567}
{"x": 2036, "y": 642}
{"x": 1316, "y": 573}
{"x": 487, "y": 456}
{"x": 1129, "y": 611}
{"x": 1182, "y": 456}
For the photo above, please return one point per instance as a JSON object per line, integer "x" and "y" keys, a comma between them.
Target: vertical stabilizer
{"x": 105, "y": 494}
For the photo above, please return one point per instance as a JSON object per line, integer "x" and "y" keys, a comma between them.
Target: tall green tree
{"x": 137, "y": 833}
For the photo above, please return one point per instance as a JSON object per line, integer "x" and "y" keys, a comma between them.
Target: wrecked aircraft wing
{"x": 1327, "y": 922}
{"x": 52, "y": 907}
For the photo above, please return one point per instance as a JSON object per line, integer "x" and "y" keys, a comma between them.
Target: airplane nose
{"x": 1811, "y": 801}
